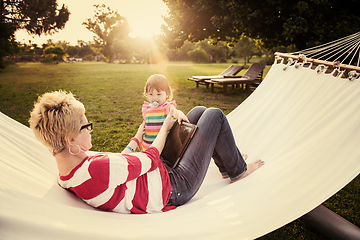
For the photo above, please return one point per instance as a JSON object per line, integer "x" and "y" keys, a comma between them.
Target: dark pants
{"x": 214, "y": 139}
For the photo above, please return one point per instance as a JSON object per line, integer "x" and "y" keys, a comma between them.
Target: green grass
{"x": 112, "y": 95}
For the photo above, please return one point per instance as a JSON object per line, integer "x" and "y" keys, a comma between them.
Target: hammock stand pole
{"x": 330, "y": 224}
{"x": 317, "y": 61}
{"x": 322, "y": 219}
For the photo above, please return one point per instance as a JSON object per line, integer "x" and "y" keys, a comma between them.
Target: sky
{"x": 144, "y": 17}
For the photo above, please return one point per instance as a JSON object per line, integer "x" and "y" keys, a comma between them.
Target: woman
{"x": 129, "y": 182}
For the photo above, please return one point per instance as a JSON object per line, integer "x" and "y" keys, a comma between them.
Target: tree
{"x": 107, "y": 25}
{"x": 274, "y": 22}
{"x": 36, "y": 16}
{"x": 217, "y": 52}
{"x": 54, "y": 53}
{"x": 199, "y": 55}
{"x": 7, "y": 42}
{"x": 141, "y": 48}
{"x": 122, "y": 49}
{"x": 181, "y": 54}
{"x": 81, "y": 50}
{"x": 245, "y": 48}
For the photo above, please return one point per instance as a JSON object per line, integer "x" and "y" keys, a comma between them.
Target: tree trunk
{"x": 112, "y": 58}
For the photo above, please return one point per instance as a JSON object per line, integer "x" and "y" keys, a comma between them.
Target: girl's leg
{"x": 213, "y": 133}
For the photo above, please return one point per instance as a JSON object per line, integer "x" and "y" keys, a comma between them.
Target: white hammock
{"x": 303, "y": 124}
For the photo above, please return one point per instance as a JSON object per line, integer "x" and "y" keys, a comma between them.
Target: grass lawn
{"x": 112, "y": 95}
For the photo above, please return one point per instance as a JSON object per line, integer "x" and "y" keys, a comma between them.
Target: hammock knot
{"x": 321, "y": 68}
{"x": 277, "y": 59}
{"x": 290, "y": 61}
{"x": 353, "y": 75}
{"x": 337, "y": 72}
{"x": 302, "y": 58}
{"x": 337, "y": 64}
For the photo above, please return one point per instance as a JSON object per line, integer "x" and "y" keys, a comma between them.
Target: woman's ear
{"x": 70, "y": 140}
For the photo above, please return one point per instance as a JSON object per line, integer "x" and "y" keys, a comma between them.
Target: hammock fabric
{"x": 303, "y": 124}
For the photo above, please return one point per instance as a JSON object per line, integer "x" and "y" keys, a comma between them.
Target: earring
{"x": 72, "y": 152}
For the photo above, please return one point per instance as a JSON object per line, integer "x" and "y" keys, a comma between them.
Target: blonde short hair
{"x": 160, "y": 83}
{"x": 56, "y": 118}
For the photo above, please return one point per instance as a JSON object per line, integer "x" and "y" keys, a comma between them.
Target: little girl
{"x": 159, "y": 94}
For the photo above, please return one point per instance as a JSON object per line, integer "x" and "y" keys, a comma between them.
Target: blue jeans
{"x": 214, "y": 139}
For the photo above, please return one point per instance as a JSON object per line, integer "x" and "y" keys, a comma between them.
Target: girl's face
{"x": 83, "y": 139}
{"x": 156, "y": 98}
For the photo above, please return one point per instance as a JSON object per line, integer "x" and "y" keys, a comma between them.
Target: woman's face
{"x": 156, "y": 98}
{"x": 83, "y": 139}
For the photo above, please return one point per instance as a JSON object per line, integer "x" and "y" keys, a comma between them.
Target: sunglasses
{"x": 88, "y": 126}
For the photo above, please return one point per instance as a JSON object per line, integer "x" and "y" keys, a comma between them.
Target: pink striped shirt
{"x": 125, "y": 183}
{"x": 154, "y": 118}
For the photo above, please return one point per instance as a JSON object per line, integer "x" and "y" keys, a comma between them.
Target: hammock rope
{"x": 336, "y": 50}
{"x": 339, "y": 54}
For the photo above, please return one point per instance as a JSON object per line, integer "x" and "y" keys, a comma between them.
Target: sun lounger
{"x": 230, "y": 72}
{"x": 253, "y": 75}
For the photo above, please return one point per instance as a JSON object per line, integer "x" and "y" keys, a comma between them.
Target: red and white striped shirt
{"x": 125, "y": 183}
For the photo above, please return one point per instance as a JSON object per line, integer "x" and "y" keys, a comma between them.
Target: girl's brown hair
{"x": 160, "y": 83}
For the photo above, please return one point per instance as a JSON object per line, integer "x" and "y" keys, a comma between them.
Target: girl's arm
{"x": 178, "y": 114}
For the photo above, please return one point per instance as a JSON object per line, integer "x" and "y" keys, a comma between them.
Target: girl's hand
{"x": 178, "y": 114}
{"x": 181, "y": 116}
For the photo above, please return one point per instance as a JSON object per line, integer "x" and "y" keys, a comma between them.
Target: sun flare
{"x": 146, "y": 20}
{"x": 144, "y": 17}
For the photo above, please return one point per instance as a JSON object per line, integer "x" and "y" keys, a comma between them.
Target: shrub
{"x": 198, "y": 55}
{"x": 54, "y": 54}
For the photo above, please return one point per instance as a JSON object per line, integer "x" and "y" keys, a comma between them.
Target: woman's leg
{"x": 195, "y": 114}
{"x": 213, "y": 134}
{"x": 225, "y": 140}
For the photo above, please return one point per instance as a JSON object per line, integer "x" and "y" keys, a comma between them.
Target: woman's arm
{"x": 161, "y": 137}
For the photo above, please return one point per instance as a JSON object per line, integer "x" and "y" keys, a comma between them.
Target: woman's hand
{"x": 168, "y": 122}
{"x": 140, "y": 132}
{"x": 161, "y": 137}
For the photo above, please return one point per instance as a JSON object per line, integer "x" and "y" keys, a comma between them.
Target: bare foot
{"x": 251, "y": 167}
{"x": 245, "y": 156}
